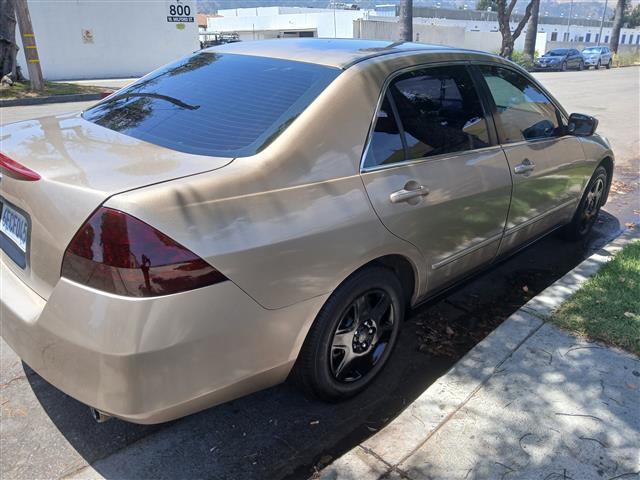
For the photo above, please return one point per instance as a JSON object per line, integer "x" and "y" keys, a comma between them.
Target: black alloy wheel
{"x": 589, "y": 207}
{"x": 352, "y": 336}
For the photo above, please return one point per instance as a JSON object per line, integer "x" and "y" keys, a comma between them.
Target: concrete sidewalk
{"x": 529, "y": 401}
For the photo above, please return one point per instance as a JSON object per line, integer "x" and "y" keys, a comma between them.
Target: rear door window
{"x": 386, "y": 142}
{"x": 437, "y": 111}
{"x": 214, "y": 104}
{"x": 440, "y": 111}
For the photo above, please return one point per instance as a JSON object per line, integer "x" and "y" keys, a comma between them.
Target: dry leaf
{"x": 525, "y": 289}
{"x": 449, "y": 331}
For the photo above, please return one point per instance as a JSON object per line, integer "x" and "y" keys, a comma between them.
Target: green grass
{"x": 607, "y": 307}
{"x": 23, "y": 90}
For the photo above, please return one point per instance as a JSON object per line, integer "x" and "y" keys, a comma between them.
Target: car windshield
{"x": 214, "y": 104}
{"x": 557, "y": 53}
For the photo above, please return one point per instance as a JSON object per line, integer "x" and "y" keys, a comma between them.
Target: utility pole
{"x": 604, "y": 13}
{"x": 29, "y": 45}
{"x": 569, "y": 22}
{"x": 406, "y": 20}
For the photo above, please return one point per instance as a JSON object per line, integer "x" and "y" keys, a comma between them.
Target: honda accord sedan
{"x": 268, "y": 210}
{"x": 560, "y": 59}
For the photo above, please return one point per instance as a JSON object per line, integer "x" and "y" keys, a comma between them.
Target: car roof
{"x": 332, "y": 52}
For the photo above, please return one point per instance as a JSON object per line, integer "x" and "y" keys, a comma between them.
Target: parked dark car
{"x": 560, "y": 59}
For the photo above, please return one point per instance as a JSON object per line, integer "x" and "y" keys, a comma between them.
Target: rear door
{"x": 548, "y": 166}
{"x": 434, "y": 173}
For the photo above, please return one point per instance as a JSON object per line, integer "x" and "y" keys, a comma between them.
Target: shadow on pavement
{"x": 278, "y": 433}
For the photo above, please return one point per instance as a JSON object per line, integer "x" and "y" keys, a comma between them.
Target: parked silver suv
{"x": 597, "y": 56}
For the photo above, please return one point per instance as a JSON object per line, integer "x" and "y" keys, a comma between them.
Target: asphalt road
{"x": 278, "y": 433}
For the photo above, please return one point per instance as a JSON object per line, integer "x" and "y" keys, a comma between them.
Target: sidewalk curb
{"x": 380, "y": 455}
{"x": 79, "y": 97}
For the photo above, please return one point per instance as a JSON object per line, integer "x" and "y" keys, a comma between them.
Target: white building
{"x": 275, "y": 22}
{"x": 100, "y": 39}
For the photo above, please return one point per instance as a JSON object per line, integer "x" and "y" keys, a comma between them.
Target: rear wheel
{"x": 609, "y": 64}
{"x": 598, "y": 65}
{"x": 352, "y": 336}
{"x": 581, "y": 66}
{"x": 564, "y": 66}
{"x": 589, "y": 207}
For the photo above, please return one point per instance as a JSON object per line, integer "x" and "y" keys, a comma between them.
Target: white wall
{"x": 130, "y": 39}
{"x": 322, "y": 21}
{"x": 450, "y": 35}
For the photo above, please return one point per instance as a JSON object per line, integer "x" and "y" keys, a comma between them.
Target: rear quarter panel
{"x": 293, "y": 221}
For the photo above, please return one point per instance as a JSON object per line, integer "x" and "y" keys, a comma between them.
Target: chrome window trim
{"x": 434, "y": 158}
{"x": 383, "y": 91}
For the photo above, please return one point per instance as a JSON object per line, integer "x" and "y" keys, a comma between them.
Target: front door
{"x": 548, "y": 167}
{"x": 433, "y": 173}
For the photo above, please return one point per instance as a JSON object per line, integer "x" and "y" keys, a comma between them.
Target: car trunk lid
{"x": 80, "y": 165}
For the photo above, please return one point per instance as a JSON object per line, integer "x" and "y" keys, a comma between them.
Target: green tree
{"x": 632, "y": 16}
{"x": 484, "y": 5}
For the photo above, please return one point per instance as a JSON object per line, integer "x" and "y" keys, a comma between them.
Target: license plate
{"x": 14, "y": 233}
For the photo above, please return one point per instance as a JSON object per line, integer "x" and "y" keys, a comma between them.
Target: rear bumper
{"x": 152, "y": 360}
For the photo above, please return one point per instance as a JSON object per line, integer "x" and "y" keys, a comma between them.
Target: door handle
{"x": 407, "y": 194}
{"x": 524, "y": 168}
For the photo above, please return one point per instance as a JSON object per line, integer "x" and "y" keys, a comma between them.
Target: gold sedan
{"x": 265, "y": 209}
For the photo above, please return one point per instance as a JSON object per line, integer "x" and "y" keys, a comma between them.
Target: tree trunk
{"x": 406, "y": 20}
{"x": 504, "y": 15}
{"x": 617, "y": 25}
{"x": 8, "y": 46}
{"x": 532, "y": 31}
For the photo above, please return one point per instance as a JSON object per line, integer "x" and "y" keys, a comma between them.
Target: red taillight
{"x": 118, "y": 253}
{"x": 16, "y": 170}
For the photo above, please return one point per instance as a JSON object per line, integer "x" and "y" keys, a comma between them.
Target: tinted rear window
{"x": 213, "y": 104}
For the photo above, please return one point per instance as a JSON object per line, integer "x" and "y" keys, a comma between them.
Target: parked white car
{"x": 597, "y": 57}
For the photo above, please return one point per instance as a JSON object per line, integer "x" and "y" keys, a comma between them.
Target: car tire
{"x": 589, "y": 207}
{"x": 609, "y": 64}
{"x": 598, "y": 65}
{"x": 563, "y": 67}
{"x": 580, "y": 66}
{"x": 351, "y": 325}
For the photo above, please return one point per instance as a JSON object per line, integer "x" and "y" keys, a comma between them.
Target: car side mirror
{"x": 581, "y": 125}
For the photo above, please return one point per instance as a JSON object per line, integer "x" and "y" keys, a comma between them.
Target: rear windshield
{"x": 591, "y": 50}
{"x": 214, "y": 104}
{"x": 558, "y": 53}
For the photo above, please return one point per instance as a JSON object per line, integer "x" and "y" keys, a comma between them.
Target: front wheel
{"x": 564, "y": 66}
{"x": 589, "y": 206}
{"x": 580, "y": 66}
{"x": 352, "y": 336}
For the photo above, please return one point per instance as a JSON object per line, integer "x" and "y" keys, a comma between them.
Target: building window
{"x": 637, "y": 39}
{"x": 587, "y": 38}
{"x": 597, "y": 37}
{"x": 554, "y": 36}
{"x": 606, "y": 39}
{"x": 565, "y": 37}
{"x": 630, "y": 39}
{"x": 624, "y": 37}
